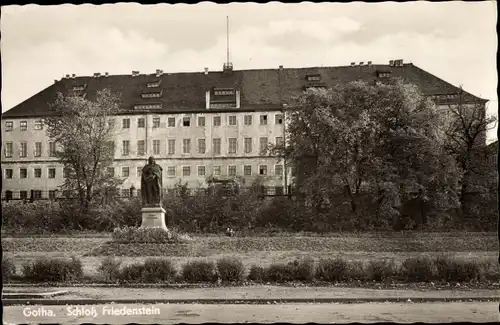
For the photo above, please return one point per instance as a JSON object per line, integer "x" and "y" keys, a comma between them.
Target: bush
{"x": 257, "y": 274}
{"x": 110, "y": 269}
{"x": 159, "y": 270}
{"x": 418, "y": 269}
{"x": 8, "y": 268}
{"x": 230, "y": 269}
{"x": 298, "y": 270}
{"x": 128, "y": 235}
{"x": 332, "y": 270}
{"x": 199, "y": 271}
{"x": 379, "y": 270}
{"x": 53, "y": 270}
{"x": 455, "y": 270}
{"x": 132, "y": 273}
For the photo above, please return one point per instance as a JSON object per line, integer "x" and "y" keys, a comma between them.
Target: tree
{"x": 350, "y": 140}
{"x": 466, "y": 142}
{"x": 82, "y": 130}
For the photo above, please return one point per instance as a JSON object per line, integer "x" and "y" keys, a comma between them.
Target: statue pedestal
{"x": 153, "y": 217}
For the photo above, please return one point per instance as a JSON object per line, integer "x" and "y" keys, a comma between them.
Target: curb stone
{"x": 58, "y": 302}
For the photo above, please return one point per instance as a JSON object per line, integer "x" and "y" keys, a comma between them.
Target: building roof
{"x": 259, "y": 89}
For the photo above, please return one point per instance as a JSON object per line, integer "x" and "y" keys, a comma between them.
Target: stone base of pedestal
{"x": 153, "y": 217}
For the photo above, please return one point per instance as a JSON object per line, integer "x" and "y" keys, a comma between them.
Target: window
{"x": 111, "y": 171}
{"x": 154, "y": 84}
{"x": 37, "y": 172}
{"x": 201, "y": 170}
{"x": 38, "y": 124}
{"x": 141, "y": 122}
{"x": 139, "y": 171}
{"x": 148, "y": 106}
{"x": 263, "y": 120}
{"x": 23, "y": 195}
{"x": 262, "y": 170}
{"x": 36, "y": 194}
{"x": 313, "y": 78}
{"x": 216, "y": 146}
{"x": 278, "y": 118}
{"x": 9, "y": 148}
{"x": 171, "y": 171}
{"x": 201, "y": 146}
{"x": 125, "y": 192}
{"x": 52, "y": 194}
{"x": 8, "y": 195}
{"x": 8, "y": 173}
{"x": 186, "y": 121}
{"x": 248, "y": 145}
{"x": 232, "y": 145}
{"x": 9, "y": 125}
{"x": 156, "y": 122}
{"x": 247, "y": 170}
{"x": 141, "y": 147}
{"x": 111, "y": 147}
{"x": 231, "y": 170}
{"x": 125, "y": 172}
{"x": 125, "y": 147}
{"x": 171, "y": 146}
{"x": 23, "y": 173}
{"x": 111, "y": 123}
{"x": 23, "y": 150}
{"x": 151, "y": 95}
{"x": 263, "y": 145}
{"x": 223, "y": 92}
{"x": 156, "y": 147}
{"x": 217, "y": 120}
{"x": 38, "y": 149}
{"x": 52, "y": 173}
{"x": 23, "y": 125}
{"x": 217, "y": 170}
{"x": 231, "y": 120}
{"x": 186, "y": 145}
{"x": 201, "y": 120}
{"x": 248, "y": 120}
{"x": 279, "y": 141}
{"x": 126, "y": 123}
{"x": 52, "y": 149}
{"x": 278, "y": 170}
{"x": 186, "y": 171}
{"x": 171, "y": 122}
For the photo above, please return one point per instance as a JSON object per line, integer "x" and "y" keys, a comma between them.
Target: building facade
{"x": 196, "y": 125}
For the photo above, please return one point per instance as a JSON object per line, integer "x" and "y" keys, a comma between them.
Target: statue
{"x": 151, "y": 184}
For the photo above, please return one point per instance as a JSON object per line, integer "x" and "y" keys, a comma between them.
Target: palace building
{"x": 196, "y": 125}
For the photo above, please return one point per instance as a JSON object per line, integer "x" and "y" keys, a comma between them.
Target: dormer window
{"x": 154, "y": 84}
{"x": 79, "y": 87}
{"x": 147, "y": 106}
{"x": 383, "y": 74}
{"x": 152, "y": 95}
{"x": 313, "y": 77}
{"x": 223, "y": 92}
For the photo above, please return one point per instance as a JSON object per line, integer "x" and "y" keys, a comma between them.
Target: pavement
{"x": 239, "y": 295}
{"x": 287, "y": 313}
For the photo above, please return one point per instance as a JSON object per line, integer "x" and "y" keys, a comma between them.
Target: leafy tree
{"x": 81, "y": 129}
{"x": 466, "y": 131}
{"x": 355, "y": 139}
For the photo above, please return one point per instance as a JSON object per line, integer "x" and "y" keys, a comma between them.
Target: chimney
{"x": 159, "y": 72}
{"x": 67, "y": 76}
{"x": 281, "y": 67}
{"x": 361, "y": 63}
{"x": 55, "y": 81}
{"x": 391, "y": 63}
{"x": 135, "y": 73}
{"x": 73, "y": 76}
{"x": 369, "y": 63}
{"x": 206, "y": 70}
{"x": 106, "y": 74}
{"x": 353, "y": 64}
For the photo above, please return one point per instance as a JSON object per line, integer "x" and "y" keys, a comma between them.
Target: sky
{"x": 456, "y": 40}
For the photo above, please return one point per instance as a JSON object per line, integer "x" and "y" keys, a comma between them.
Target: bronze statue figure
{"x": 151, "y": 184}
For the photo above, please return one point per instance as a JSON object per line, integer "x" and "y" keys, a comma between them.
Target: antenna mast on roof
{"x": 227, "y": 35}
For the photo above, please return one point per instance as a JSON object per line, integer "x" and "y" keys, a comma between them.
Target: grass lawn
{"x": 259, "y": 250}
